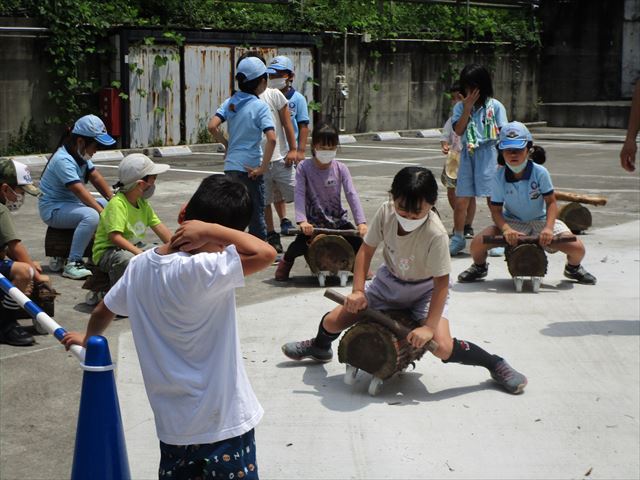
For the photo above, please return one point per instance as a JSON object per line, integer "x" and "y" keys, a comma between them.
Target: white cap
{"x": 136, "y": 166}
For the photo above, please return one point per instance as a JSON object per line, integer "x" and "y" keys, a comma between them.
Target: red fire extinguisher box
{"x": 110, "y": 110}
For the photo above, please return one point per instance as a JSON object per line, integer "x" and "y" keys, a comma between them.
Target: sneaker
{"x": 273, "y": 239}
{"x": 17, "y": 336}
{"x": 306, "y": 349}
{"x": 56, "y": 264}
{"x": 285, "y": 226}
{"x": 496, "y": 252}
{"x": 76, "y": 271}
{"x": 456, "y": 244}
{"x": 468, "y": 231}
{"x": 580, "y": 274}
{"x": 473, "y": 273}
{"x": 283, "y": 269}
{"x": 510, "y": 379}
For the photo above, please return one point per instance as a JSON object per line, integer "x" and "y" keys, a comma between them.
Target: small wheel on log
{"x": 350, "y": 375}
{"x": 92, "y": 298}
{"x": 375, "y": 386}
{"x": 518, "y": 281}
{"x": 39, "y": 328}
{"x": 321, "y": 278}
{"x": 56, "y": 264}
{"x": 344, "y": 277}
{"x": 536, "y": 282}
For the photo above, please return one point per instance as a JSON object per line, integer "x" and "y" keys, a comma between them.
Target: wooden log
{"x": 575, "y": 216}
{"x": 395, "y": 326}
{"x": 499, "y": 239}
{"x": 327, "y": 231}
{"x": 526, "y": 260}
{"x": 576, "y": 197}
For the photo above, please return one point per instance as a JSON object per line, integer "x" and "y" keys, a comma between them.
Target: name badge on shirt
{"x": 535, "y": 191}
{"x": 330, "y": 182}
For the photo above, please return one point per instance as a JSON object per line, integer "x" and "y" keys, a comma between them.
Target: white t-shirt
{"x": 183, "y": 317}
{"x": 275, "y": 99}
{"x": 421, "y": 254}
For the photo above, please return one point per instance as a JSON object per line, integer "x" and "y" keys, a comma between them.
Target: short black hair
{"x": 455, "y": 88}
{"x": 411, "y": 185}
{"x": 325, "y": 134}
{"x": 221, "y": 200}
{"x": 476, "y": 76}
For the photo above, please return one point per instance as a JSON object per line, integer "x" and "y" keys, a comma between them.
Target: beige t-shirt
{"x": 421, "y": 254}
{"x": 275, "y": 99}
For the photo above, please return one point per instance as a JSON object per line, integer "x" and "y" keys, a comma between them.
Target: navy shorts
{"x": 230, "y": 459}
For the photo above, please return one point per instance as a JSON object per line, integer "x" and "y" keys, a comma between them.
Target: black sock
{"x": 469, "y": 353}
{"x": 572, "y": 268}
{"x": 323, "y": 338}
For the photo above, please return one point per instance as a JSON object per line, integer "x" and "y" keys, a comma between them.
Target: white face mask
{"x": 326, "y": 156}
{"x": 148, "y": 193}
{"x": 409, "y": 225}
{"x": 517, "y": 168}
{"x": 16, "y": 204}
{"x": 278, "y": 83}
{"x": 84, "y": 156}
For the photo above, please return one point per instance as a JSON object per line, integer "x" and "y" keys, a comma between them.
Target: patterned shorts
{"x": 230, "y": 459}
{"x": 534, "y": 227}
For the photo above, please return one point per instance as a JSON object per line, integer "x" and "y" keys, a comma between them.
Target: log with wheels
{"x": 330, "y": 255}
{"x": 57, "y": 243}
{"x": 378, "y": 344}
{"x": 575, "y": 216}
{"x": 98, "y": 285}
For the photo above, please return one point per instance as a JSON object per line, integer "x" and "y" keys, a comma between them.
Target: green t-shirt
{"x": 7, "y": 229}
{"x": 120, "y": 216}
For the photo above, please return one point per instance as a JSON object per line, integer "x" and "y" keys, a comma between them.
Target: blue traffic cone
{"x": 100, "y": 451}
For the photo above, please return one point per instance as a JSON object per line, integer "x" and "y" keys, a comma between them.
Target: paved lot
{"x": 578, "y": 345}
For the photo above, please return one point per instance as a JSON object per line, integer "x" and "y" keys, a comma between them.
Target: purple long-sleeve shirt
{"x": 317, "y": 195}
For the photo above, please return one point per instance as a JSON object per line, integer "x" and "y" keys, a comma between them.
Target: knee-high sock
{"x": 469, "y": 353}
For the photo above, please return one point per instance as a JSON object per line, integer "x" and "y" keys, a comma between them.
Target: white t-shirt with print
{"x": 421, "y": 254}
{"x": 183, "y": 317}
{"x": 275, "y": 99}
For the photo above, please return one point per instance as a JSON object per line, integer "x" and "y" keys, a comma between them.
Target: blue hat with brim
{"x": 251, "y": 68}
{"x": 279, "y": 64}
{"x": 91, "y": 126}
{"x": 514, "y": 135}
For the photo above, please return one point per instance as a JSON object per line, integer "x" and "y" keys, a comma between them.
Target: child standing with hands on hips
{"x": 414, "y": 276}
{"x": 319, "y": 182}
{"x": 477, "y": 120}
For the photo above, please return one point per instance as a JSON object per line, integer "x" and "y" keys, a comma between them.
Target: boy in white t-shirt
{"x": 180, "y": 298}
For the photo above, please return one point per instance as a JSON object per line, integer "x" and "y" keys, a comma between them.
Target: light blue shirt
{"x": 478, "y": 115}
{"x": 523, "y": 199}
{"x": 62, "y": 171}
{"x": 298, "y": 109}
{"x": 248, "y": 118}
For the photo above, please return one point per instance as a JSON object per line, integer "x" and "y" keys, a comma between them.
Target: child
{"x": 415, "y": 276}
{"x": 123, "y": 222}
{"x": 477, "y": 119}
{"x": 279, "y": 178}
{"x": 281, "y": 75}
{"x": 15, "y": 262}
{"x": 248, "y": 118}
{"x": 450, "y": 143}
{"x": 317, "y": 198}
{"x": 180, "y": 298}
{"x": 523, "y": 203}
{"x": 65, "y": 202}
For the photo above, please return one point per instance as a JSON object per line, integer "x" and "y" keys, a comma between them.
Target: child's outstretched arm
{"x": 510, "y": 235}
{"x": 162, "y": 232}
{"x": 354, "y": 200}
{"x": 100, "y": 319}
{"x": 121, "y": 242}
{"x": 290, "y": 135}
{"x": 546, "y": 235}
{"x": 255, "y": 254}
{"x": 418, "y": 337}
{"x": 356, "y": 300}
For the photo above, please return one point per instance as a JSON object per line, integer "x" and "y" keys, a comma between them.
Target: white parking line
{"x": 381, "y": 147}
{"x": 102, "y": 165}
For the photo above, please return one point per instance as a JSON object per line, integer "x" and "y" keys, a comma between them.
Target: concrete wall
{"x": 402, "y": 85}
{"x": 24, "y": 81}
{"x": 630, "y": 47}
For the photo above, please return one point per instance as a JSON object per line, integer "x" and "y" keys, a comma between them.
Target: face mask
{"x": 278, "y": 83}
{"x": 84, "y": 156}
{"x": 517, "y": 168}
{"x": 16, "y": 204}
{"x": 148, "y": 193}
{"x": 326, "y": 156}
{"x": 409, "y": 225}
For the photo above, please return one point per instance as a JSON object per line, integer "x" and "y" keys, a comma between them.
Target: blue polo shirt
{"x": 522, "y": 199}
{"x": 298, "y": 109}
{"x": 62, "y": 171}
{"x": 248, "y": 118}
{"x": 479, "y": 115}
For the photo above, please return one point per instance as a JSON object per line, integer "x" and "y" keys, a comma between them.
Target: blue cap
{"x": 514, "y": 135}
{"x": 251, "y": 68}
{"x": 280, "y": 63}
{"x": 92, "y": 126}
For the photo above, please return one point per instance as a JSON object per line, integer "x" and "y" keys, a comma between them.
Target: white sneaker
{"x": 76, "y": 271}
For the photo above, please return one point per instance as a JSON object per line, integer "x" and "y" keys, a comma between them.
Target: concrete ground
{"x": 578, "y": 345}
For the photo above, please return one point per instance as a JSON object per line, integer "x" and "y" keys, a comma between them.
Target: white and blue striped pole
{"x": 49, "y": 324}
{"x": 100, "y": 450}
